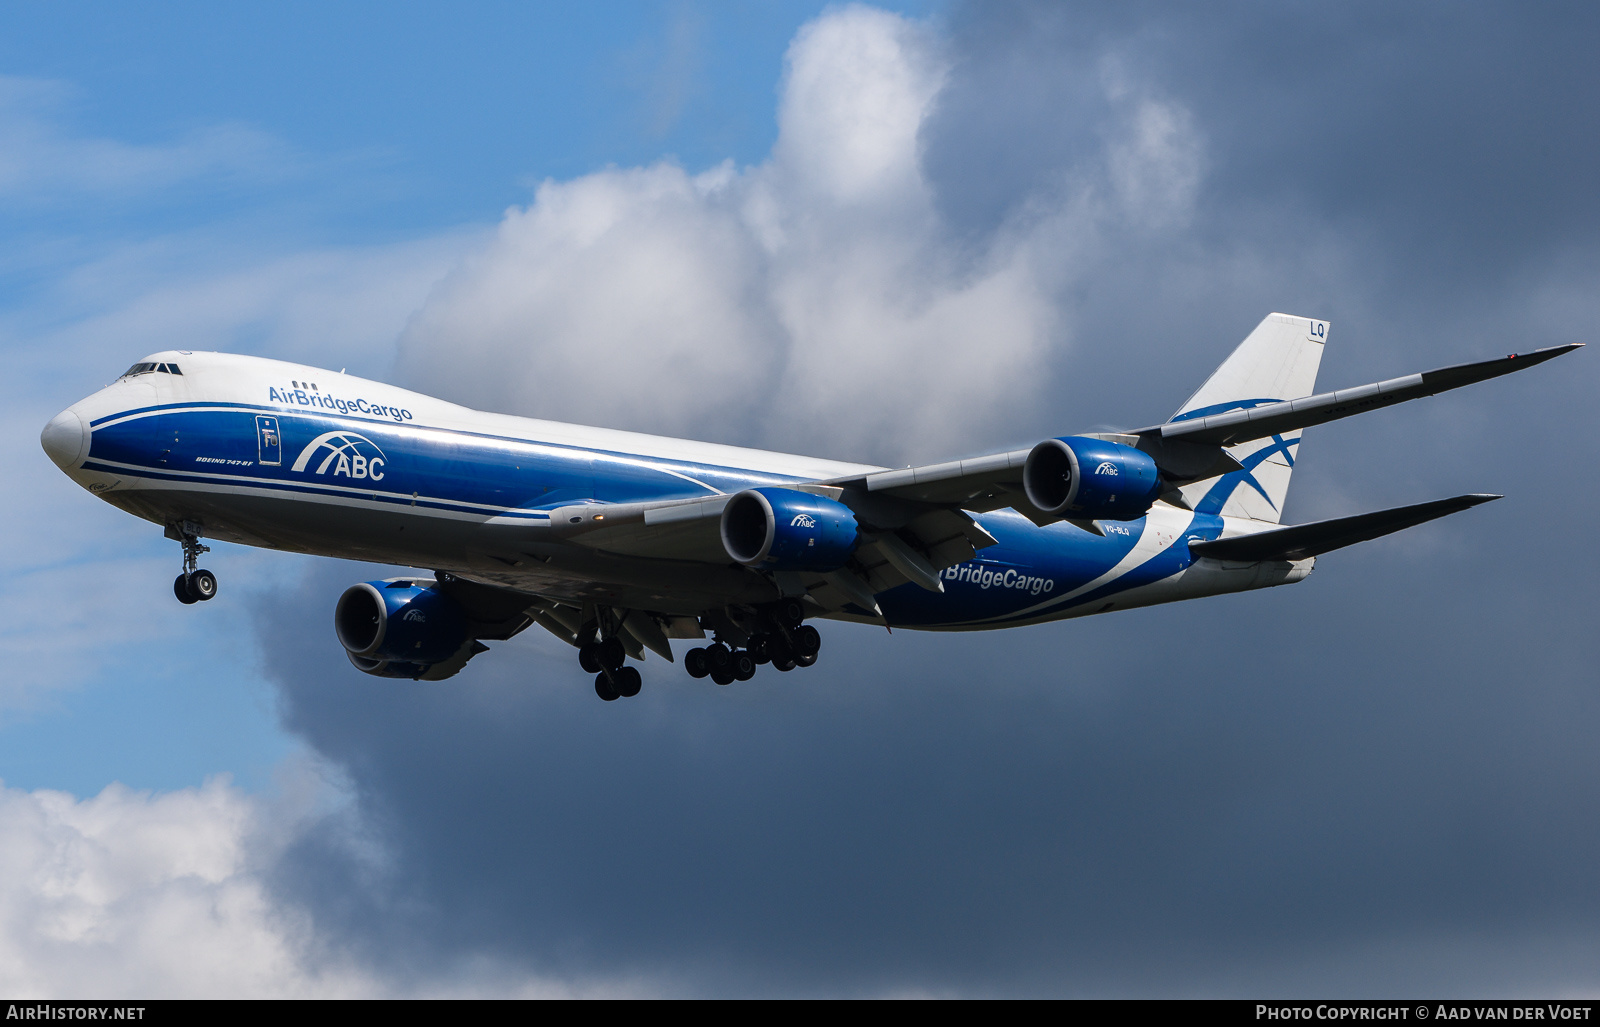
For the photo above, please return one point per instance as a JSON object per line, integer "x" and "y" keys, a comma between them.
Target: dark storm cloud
{"x": 1382, "y": 779}
{"x": 1464, "y": 126}
{"x": 1167, "y": 800}
{"x": 1421, "y": 174}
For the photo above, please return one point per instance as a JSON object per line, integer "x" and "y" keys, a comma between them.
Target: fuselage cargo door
{"x": 269, "y": 444}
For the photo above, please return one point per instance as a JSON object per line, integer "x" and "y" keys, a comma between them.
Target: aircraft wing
{"x": 994, "y": 482}
{"x": 974, "y": 484}
{"x": 1185, "y": 450}
{"x": 903, "y": 540}
{"x": 1301, "y": 541}
{"x": 1236, "y": 426}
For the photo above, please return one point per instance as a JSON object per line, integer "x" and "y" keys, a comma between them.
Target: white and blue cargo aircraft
{"x": 618, "y": 542}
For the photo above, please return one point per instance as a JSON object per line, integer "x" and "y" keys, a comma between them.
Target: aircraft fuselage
{"x": 285, "y": 456}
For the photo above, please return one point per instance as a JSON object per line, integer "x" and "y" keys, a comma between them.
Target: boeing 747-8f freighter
{"x": 618, "y": 543}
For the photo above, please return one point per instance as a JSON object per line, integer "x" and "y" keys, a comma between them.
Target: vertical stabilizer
{"x": 1278, "y": 361}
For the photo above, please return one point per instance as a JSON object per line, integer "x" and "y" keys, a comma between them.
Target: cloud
{"x": 817, "y": 301}
{"x": 1069, "y": 810}
{"x": 130, "y": 895}
{"x": 134, "y": 894}
{"x": 668, "y": 73}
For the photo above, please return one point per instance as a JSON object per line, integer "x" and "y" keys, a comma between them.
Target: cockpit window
{"x": 147, "y": 368}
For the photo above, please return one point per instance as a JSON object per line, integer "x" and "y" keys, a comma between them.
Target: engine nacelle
{"x": 775, "y": 529}
{"x": 1078, "y": 477}
{"x": 399, "y": 629}
{"x": 388, "y": 668}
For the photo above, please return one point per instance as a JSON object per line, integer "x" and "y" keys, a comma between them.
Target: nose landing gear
{"x": 195, "y": 584}
{"x": 196, "y": 587}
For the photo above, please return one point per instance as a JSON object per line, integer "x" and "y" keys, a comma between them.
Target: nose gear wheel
{"x": 195, "y": 584}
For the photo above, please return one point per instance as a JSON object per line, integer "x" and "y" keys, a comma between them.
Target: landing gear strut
{"x": 195, "y": 584}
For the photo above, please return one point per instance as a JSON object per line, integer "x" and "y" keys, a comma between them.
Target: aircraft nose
{"x": 66, "y": 439}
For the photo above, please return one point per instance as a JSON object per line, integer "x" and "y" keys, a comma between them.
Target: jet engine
{"x": 776, "y": 529}
{"x": 403, "y": 629}
{"x": 1083, "y": 478}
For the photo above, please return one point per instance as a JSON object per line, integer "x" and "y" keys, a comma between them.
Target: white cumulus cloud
{"x": 133, "y": 894}
{"x": 815, "y": 302}
{"x": 130, "y": 894}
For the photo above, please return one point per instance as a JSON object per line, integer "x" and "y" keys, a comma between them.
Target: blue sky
{"x": 390, "y": 119}
{"x": 894, "y": 233}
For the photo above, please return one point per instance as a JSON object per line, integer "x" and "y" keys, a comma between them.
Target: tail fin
{"x": 1277, "y": 361}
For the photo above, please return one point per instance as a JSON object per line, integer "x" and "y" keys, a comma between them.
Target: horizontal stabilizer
{"x": 1306, "y": 540}
{"x": 1236, "y": 426}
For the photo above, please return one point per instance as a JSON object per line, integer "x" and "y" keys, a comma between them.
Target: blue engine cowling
{"x": 398, "y": 629}
{"x": 1078, "y": 477}
{"x": 775, "y": 529}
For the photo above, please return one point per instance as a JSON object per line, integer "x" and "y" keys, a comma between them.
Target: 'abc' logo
{"x": 344, "y": 453}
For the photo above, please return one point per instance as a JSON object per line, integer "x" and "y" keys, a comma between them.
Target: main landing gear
{"x": 780, "y": 639}
{"x": 746, "y": 638}
{"x": 195, "y": 584}
{"x": 604, "y": 660}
